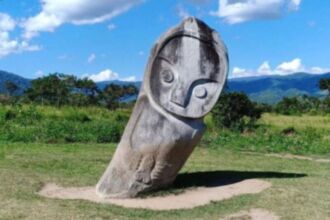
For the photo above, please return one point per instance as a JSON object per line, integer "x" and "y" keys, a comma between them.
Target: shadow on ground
{"x": 222, "y": 178}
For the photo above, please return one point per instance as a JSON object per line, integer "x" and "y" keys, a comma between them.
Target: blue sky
{"x": 111, "y": 39}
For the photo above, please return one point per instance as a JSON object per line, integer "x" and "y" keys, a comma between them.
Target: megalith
{"x": 184, "y": 77}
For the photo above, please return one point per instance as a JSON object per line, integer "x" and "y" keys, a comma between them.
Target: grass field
{"x": 307, "y": 134}
{"x": 300, "y": 188}
{"x": 40, "y": 145}
{"x": 45, "y": 124}
{"x": 303, "y": 135}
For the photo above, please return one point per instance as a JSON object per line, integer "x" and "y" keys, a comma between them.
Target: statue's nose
{"x": 179, "y": 97}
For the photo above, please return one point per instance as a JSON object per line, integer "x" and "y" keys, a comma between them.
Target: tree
{"x": 60, "y": 89}
{"x": 11, "y": 88}
{"x": 324, "y": 84}
{"x": 113, "y": 94}
{"x": 235, "y": 111}
{"x": 53, "y": 89}
{"x": 298, "y": 105}
{"x": 88, "y": 91}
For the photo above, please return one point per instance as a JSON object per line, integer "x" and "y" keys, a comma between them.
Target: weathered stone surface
{"x": 184, "y": 78}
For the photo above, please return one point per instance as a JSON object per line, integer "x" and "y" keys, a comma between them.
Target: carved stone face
{"x": 186, "y": 76}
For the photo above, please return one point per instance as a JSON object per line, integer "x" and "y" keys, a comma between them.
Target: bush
{"x": 10, "y": 115}
{"x": 299, "y": 105}
{"x": 110, "y": 133}
{"x": 236, "y": 112}
{"x": 289, "y": 131}
{"x": 5, "y": 100}
{"x": 77, "y": 116}
{"x": 53, "y": 125}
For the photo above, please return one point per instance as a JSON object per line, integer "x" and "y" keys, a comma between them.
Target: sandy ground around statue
{"x": 191, "y": 198}
{"x": 253, "y": 214}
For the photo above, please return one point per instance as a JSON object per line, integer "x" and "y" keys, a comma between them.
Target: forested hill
{"x": 266, "y": 89}
{"x": 20, "y": 82}
{"x": 271, "y": 89}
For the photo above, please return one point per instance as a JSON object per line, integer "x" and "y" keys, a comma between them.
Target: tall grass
{"x": 274, "y": 133}
{"x": 277, "y": 134}
{"x": 68, "y": 124}
{"x": 317, "y": 122}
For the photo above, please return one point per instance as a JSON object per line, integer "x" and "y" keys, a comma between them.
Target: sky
{"x": 112, "y": 39}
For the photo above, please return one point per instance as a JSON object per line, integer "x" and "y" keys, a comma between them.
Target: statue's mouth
{"x": 173, "y": 106}
{"x": 179, "y": 103}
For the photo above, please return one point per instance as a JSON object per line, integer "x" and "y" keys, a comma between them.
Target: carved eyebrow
{"x": 203, "y": 81}
{"x": 165, "y": 59}
{"x": 196, "y": 83}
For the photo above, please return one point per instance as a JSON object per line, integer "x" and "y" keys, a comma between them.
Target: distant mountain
{"x": 271, "y": 89}
{"x": 265, "y": 89}
{"x": 102, "y": 85}
{"x": 21, "y": 82}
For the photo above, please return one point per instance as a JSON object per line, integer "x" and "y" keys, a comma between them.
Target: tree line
{"x": 234, "y": 110}
{"x": 59, "y": 89}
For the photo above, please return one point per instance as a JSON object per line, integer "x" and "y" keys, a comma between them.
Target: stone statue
{"x": 183, "y": 80}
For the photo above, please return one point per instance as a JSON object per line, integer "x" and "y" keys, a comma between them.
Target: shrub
{"x": 57, "y": 125}
{"x": 289, "y": 131}
{"x": 236, "y": 112}
{"x": 10, "y": 115}
{"x": 299, "y": 105}
{"x": 28, "y": 116}
{"x": 110, "y": 133}
{"x": 5, "y": 100}
{"x": 77, "y": 116}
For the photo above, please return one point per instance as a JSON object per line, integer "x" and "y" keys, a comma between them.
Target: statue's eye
{"x": 167, "y": 76}
{"x": 200, "y": 92}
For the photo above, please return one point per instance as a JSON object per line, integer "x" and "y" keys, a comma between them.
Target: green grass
{"x": 25, "y": 168}
{"x": 68, "y": 124}
{"x": 311, "y": 136}
{"x": 39, "y": 145}
{"x": 45, "y": 124}
{"x": 318, "y": 122}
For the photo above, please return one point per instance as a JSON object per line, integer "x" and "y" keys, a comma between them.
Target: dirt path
{"x": 191, "y": 198}
{"x": 290, "y": 156}
{"x": 253, "y": 214}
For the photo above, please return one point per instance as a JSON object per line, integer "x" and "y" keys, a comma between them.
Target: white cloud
{"x": 108, "y": 75}
{"x": 238, "y": 11}
{"x": 6, "y": 22}
{"x": 239, "y": 72}
{"x": 129, "y": 79}
{"x": 290, "y": 67}
{"x": 319, "y": 70}
{"x": 39, "y": 73}
{"x": 57, "y": 12}
{"x": 91, "y": 58}
{"x": 294, "y": 4}
{"x": 111, "y": 27}
{"x": 8, "y": 45}
{"x": 104, "y": 75}
{"x": 264, "y": 68}
{"x": 284, "y": 68}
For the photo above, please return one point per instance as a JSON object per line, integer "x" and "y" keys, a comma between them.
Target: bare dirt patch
{"x": 191, "y": 198}
{"x": 290, "y": 156}
{"x": 253, "y": 214}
